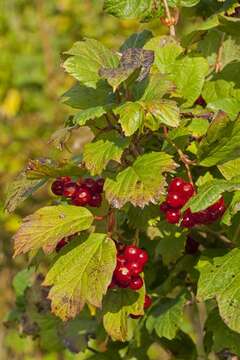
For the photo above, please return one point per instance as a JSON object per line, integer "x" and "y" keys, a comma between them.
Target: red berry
{"x": 122, "y": 275}
{"x": 112, "y": 284}
{"x": 135, "y": 267}
{"x": 91, "y": 185}
{"x": 70, "y": 189}
{"x": 191, "y": 246}
{"x": 120, "y": 247}
{"x": 176, "y": 184}
{"x": 82, "y": 197}
{"x": 135, "y": 316}
{"x": 100, "y": 184}
{"x": 61, "y": 244}
{"x": 57, "y": 187}
{"x": 136, "y": 283}
{"x": 188, "y": 219}
{"x": 187, "y": 190}
{"x": 147, "y": 302}
{"x": 121, "y": 261}
{"x": 96, "y": 200}
{"x": 175, "y": 200}
{"x": 202, "y": 217}
{"x": 131, "y": 253}
{"x": 142, "y": 256}
{"x": 173, "y": 216}
{"x": 164, "y": 207}
{"x": 64, "y": 179}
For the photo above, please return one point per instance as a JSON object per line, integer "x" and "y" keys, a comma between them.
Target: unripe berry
{"x": 173, "y": 216}
{"x": 82, "y": 197}
{"x": 136, "y": 283}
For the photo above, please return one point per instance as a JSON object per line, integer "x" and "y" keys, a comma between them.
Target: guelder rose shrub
{"x": 142, "y": 240}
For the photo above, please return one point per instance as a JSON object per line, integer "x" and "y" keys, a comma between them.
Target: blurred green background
{"x": 33, "y": 37}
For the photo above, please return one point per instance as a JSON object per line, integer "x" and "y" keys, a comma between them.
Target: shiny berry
{"x": 187, "y": 190}
{"x": 175, "y": 200}
{"x": 96, "y": 200}
{"x": 70, "y": 189}
{"x": 131, "y": 253}
{"x": 142, "y": 256}
{"x": 136, "y": 283}
{"x": 176, "y": 184}
{"x": 91, "y": 185}
{"x": 188, "y": 219}
{"x": 202, "y": 217}
{"x": 61, "y": 244}
{"x": 173, "y": 216}
{"x": 147, "y": 302}
{"x": 164, "y": 207}
{"x": 100, "y": 184}
{"x": 121, "y": 261}
{"x": 122, "y": 275}
{"x": 82, "y": 197}
{"x": 135, "y": 267}
{"x": 57, "y": 187}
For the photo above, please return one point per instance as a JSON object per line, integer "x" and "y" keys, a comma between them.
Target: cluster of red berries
{"x": 130, "y": 263}
{"x": 82, "y": 192}
{"x": 179, "y": 192}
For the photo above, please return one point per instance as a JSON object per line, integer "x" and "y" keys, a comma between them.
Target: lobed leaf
{"x": 141, "y": 183}
{"x": 117, "y": 306}
{"x": 81, "y": 275}
{"x": 131, "y": 117}
{"x": 47, "y": 226}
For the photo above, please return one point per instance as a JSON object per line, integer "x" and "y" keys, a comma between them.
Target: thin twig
{"x": 185, "y": 160}
{"x": 218, "y": 64}
{"x": 168, "y": 14}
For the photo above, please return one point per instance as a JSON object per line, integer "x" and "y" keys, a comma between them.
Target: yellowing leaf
{"x": 118, "y": 305}
{"x": 49, "y": 225}
{"x": 81, "y": 275}
{"x": 131, "y": 117}
{"x": 141, "y": 183}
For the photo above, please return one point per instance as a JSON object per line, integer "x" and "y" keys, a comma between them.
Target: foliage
{"x": 157, "y": 108}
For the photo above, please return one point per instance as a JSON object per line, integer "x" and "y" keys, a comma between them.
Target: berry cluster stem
{"x": 168, "y": 14}
{"x": 182, "y": 156}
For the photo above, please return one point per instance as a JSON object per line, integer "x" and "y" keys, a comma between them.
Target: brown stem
{"x": 168, "y": 14}
{"x": 111, "y": 221}
{"x": 185, "y": 160}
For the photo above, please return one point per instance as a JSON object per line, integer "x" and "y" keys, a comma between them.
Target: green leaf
{"x": 166, "y": 317}
{"x": 184, "y": 3}
{"x": 223, "y": 337}
{"x": 222, "y": 142}
{"x": 188, "y": 74}
{"x": 117, "y": 306}
{"x": 232, "y": 209}
{"x": 22, "y": 280}
{"x": 230, "y": 169}
{"x": 229, "y": 105}
{"x": 19, "y": 190}
{"x": 141, "y": 183}
{"x": 131, "y": 117}
{"x": 97, "y": 155}
{"x": 210, "y": 192}
{"x": 81, "y": 275}
{"x": 49, "y": 225}
{"x": 85, "y": 98}
{"x": 163, "y": 112}
{"x": 133, "y": 9}
{"x": 220, "y": 279}
{"x": 171, "y": 243}
{"x": 116, "y": 76}
{"x": 87, "y": 57}
{"x": 96, "y": 112}
{"x": 137, "y": 40}
{"x": 215, "y": 90}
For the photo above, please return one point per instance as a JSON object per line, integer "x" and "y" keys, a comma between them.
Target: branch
{"x": 168, "y": 14}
